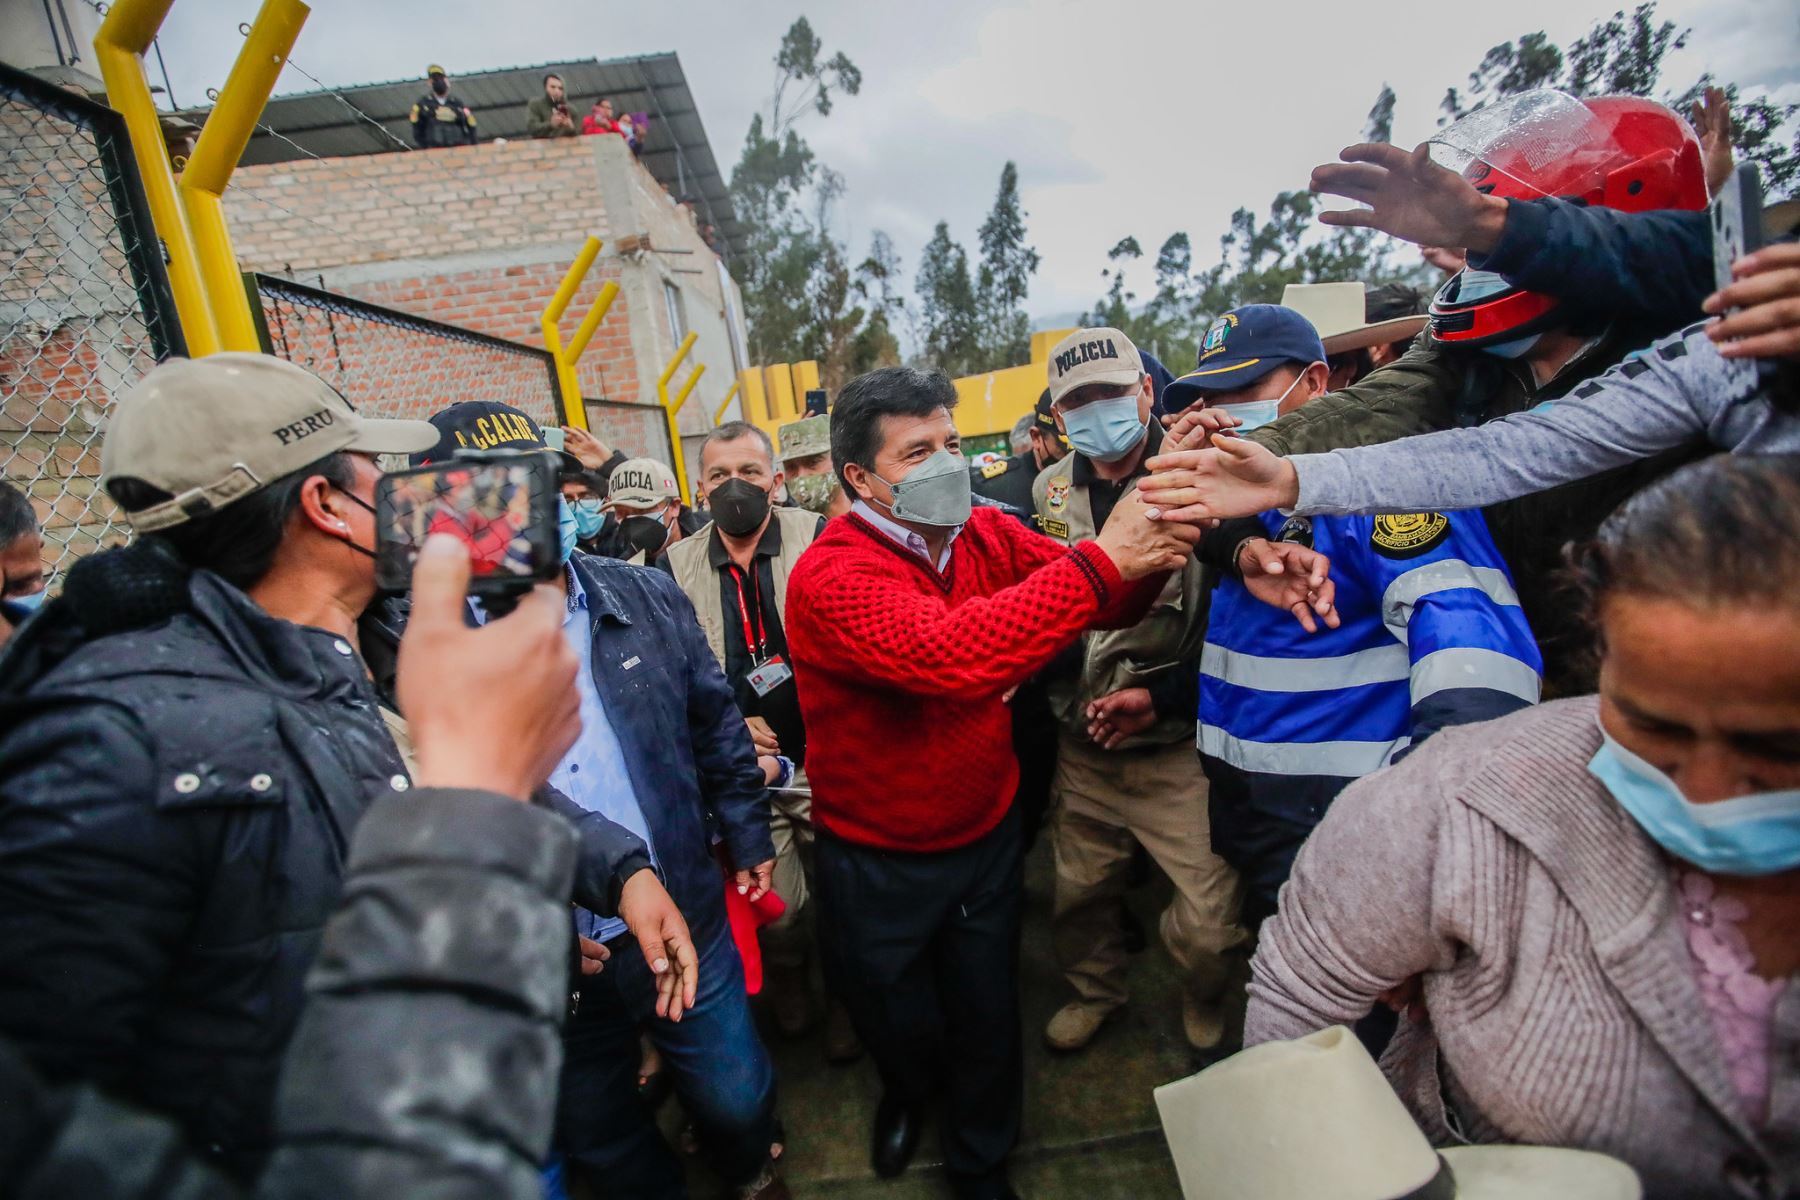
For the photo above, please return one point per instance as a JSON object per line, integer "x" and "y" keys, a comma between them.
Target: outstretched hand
{"x": 590, "y": 450}
{"x": 1291, "y": 577}
{"x": 1193, "y": 428}
{"x": 1410, "y": 197}
{"x": 1712, "y": 122}
{"x": 1236, "y": 478}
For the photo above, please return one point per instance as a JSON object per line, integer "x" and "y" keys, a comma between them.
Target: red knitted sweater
{"x": 901, "y": 670}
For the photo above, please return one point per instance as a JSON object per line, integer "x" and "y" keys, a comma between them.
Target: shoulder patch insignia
{"x": 1408, "y": 535}
{"x": 1054, "y": 528}
{"x": 995, "y": 470}
{"x": 1298, "y": 530}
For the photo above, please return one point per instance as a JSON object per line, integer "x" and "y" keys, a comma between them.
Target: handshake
{"x": 1206, "y": 474}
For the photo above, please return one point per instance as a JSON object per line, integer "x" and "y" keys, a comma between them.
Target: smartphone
{"x": 1736, "y": 217}
{"x": 553, "y": 436}
{"x": 502, "y": 505}
{"x": 1736, "y": 220}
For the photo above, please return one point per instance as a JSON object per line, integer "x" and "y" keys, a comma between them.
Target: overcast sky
{"x": 1126, "y": 117}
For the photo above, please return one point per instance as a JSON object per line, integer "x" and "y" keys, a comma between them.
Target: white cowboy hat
{"x": 1337, "y": 311}
{"x": 1315, "y": 1117}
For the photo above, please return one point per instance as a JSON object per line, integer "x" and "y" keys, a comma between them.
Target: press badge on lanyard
{"x": 767, "y": 671}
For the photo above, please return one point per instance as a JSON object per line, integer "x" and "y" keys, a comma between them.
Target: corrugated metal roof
{"x": 351, "y": 120}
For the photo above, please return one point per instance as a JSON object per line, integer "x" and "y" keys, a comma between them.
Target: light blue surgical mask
{"x": 30, "y": 603}
{"x": 588, "y": 518}
{"x": 565, "y": 527}
{"x": 1106, "y": 430}
{"x": 1758, "y": 834}
{"x": 1254, "y": 414}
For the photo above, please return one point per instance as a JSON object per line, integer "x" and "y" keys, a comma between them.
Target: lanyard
{"x": 759, "y": 647}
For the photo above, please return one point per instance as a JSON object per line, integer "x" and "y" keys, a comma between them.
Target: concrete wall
{"x": 479, "y": 236}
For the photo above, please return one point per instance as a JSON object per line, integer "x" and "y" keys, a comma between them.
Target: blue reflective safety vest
{"x": 1431, "y": 635}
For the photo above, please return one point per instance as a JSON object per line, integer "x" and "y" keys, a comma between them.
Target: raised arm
{"x": 1647, "y": 404}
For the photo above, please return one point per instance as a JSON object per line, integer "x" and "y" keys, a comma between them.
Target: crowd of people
{"x": 1441, "y": 652}
{"x": 440, "y": 118}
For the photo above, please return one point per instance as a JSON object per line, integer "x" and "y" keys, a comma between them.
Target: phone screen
{"x": 1736, "y": 219}
{"x": 503, "y": 508}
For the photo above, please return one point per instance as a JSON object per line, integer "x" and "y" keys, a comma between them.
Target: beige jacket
{"x": 695, "y": 575}
{"x": 1170, "y": 635}
{"x": 1562, "y": 999}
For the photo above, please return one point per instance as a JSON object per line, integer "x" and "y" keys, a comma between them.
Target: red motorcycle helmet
{"x": 1620, "y": 152}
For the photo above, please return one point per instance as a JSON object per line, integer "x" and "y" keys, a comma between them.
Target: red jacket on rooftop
{"x": 901, "y": 671}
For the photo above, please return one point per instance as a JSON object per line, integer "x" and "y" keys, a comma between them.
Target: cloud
{"x": 1137, "y": 117}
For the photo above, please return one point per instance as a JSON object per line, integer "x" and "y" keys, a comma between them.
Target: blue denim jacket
{"x": 686, "y": 746}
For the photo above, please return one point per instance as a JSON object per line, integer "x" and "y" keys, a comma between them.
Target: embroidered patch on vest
{"x": 1408, "y": 535}
{"x": 1057, "y": 498}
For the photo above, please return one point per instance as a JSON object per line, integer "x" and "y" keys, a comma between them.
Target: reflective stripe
{"x": 1345, "y": 760}
{"x": 1379, "y": 664}
{"x": 1447, "y": 574}
{"x": 1469, "y": 667}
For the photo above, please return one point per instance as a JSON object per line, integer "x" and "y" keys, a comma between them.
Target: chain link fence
{"x": 84, "y": 304}
{"x": 393, "y": 364}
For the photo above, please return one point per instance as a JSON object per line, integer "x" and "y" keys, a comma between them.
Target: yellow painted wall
{"x": 988, "y": 403}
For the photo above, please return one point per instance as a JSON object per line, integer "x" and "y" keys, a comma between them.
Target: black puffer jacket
{"x": 176, "y": 806}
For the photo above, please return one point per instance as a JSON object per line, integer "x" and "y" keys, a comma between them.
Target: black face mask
{"x": 738, "y": 506}
{"x": 440, "y": 85}
{"x": 645, "y": 534}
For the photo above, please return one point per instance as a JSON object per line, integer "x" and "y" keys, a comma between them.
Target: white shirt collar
{"x": 905, "y": 537}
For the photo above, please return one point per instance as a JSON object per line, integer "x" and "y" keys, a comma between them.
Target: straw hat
{"x": 1315, "y": 1117}
{"x": 1337, "y": 311}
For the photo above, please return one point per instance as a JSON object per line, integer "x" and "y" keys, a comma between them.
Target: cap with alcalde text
{"x": 213, "y": 430}
{"x": 1093, "y": 356}
{"x": 1241, "y": 347}
{"x": 486, "y": 425}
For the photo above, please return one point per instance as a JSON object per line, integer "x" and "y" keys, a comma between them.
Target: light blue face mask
{"x": 1254, "y": 414}
{"x": 588, "y": 518}
{"x": 1108, "y": 429}
{"x": 1758, "y": 834}
{"x": 565, "y": 527}
{"x": 30, "y": 603}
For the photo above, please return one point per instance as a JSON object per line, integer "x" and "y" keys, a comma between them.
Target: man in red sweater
{"x": 910, "y": 621}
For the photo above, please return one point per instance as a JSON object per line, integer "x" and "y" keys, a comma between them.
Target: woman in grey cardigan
{"x": 1596, "y": 902}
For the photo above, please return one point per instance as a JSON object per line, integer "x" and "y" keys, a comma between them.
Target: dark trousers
{"x": 923, "y": 950}
{"x": 720, "y": 1068}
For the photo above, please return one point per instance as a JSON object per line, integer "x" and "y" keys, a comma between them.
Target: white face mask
{"x": 1254, "y": 414}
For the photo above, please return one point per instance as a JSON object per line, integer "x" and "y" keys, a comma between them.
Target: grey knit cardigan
{"x": 1563, "y": 1008}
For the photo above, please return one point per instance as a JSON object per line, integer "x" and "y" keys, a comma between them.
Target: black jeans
{"x": 923, "y": 950}
{"x": 720, "y": 1068}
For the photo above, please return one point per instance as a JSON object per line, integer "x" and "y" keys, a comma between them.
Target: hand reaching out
{"x": 754, "y": 883}
{"x": 1236, "y": 478}
{"x": 1139, "y": 546}
{"x": 1289, "y": 576}
{"x": 1712, "y": 121}
{"x": 1193, "y": 428}
{"x": 1114, "y": 717}
{"x": 592, "y": 452}
{"x": 1410, "y": 197}
{"x": 762, "y": 736}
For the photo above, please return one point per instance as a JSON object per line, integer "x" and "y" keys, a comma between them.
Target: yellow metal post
{"x": 585, "y": 333}
{"x": 124, "y": 35}
{"x": 779, "y": 378}
{"x": 574, "y": 411}
{"x": 222, "y": 142}
{"x": 682, "y": 395}
{"x": 670, "y": 409}
{"x": 719, "y": 413}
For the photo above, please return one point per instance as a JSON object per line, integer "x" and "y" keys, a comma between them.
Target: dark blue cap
{"x": 1241, "y": 347}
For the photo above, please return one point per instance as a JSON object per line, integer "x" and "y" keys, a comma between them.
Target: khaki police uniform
{"x": 1150, "y": 789}
{"x": 785, "y": 941}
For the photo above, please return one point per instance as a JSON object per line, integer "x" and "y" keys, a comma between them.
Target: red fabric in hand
{"x": 745, "y": 917}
